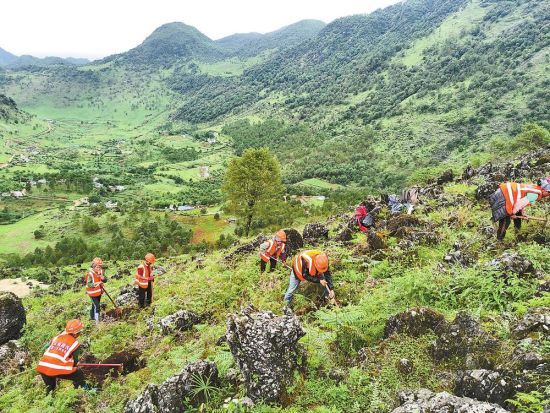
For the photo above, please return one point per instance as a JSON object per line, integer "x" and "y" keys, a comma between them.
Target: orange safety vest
{"x": 145, "y": 276}
{"x": 513, "y": 192}
{"x": 96, "y": 278}
{"x": 58, "y": 358}
{"x": 307, "y": 257}
{"x": 273, "y": 250}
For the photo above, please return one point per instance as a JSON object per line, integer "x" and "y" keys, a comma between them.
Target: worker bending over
{"x": 312, "y": 266}
{"x": 61, "y": 356}
{"x": 509, "y": 200}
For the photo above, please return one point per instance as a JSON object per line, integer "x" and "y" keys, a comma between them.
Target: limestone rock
{"x": 426, "y": 401}
{"x": 128, "y": 295}
{"x": 158, "y": 271}
{"x": 168, "y": 397}
{"x": 536, "y": 320}
{"x": 445, "y": 177}
{"x": 485, "y": 385}
{"x": 513, "y": 262}
{"x": 265, "y": 347}
{"x": 415, "y": 322}
{"x": 345, "y": 235}
{"x": 14, "y": 357}
{"x": 462, "y": 337}
{"x": 315, "y": 232}
{"x": 180, "y": 321}
{"x": 246, "y": 249}
{"x": 12, "y": 317}
{"x": 294, "y": 241}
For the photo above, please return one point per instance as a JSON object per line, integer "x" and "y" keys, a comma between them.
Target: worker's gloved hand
{"x": 323, "y": 283}
{"x": 331, "y": 294}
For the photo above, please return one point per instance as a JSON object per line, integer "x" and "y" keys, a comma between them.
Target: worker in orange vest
{"x": 312, "y": 266}
{"x": 61, "y": 357}
{"x": 273, "y": 250}
{"x": 509, "y": 200}
{"x": 94, "y": 280}
{"x": 144, "y": 279}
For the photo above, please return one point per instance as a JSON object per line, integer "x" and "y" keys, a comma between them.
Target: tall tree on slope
{"x": 252, "y": 183}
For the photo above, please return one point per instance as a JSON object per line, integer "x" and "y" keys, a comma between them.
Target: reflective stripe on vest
{"x": 308, "y": 257}
{"x": 143, "y": 280}
{"x": 513, "y": 192}
{"x": 96, "y": 278}
{"x": 58, "y": 358}
{"x": 273, "y": 250}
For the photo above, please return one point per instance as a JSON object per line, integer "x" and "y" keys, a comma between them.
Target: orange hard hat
{"x": 321, "y": 262}
{"x": 150, "y": 258}
{"x": 74, "y": 326}
{"x": 97, "y": 262}
{"x": 281, "y": 235}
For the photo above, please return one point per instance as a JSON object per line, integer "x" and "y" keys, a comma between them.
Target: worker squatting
{"x": 60, "y": 359}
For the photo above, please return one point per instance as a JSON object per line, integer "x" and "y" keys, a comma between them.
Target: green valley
{"x": 144, "y": 152}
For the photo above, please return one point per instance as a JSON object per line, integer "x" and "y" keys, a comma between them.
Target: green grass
{"x": 318, "y": 183}
{"x": 453, "y": 26}
{"x": 19, "y": 238}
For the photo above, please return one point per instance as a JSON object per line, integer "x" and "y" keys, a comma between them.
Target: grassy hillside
{"x": 371, "y": 285}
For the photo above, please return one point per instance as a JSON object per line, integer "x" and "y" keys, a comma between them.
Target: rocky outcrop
{"x": 415, "y": 322}
{"x": 128, "y": 295}
{"x": 375, "y": 241}
{"x": 536, "y": 320}
{"x": 14, "y": 357}
{"x": 511, "y": 262}
{"x": 457, "y": 256}
{"x": 315, "y": 233}
{"x": 246, "y": 249}
{"x": 485, "y": 385}
{"x": 265, "y": 347}
{"x": 397, "y": 224}
{"x": 530, "y": 166}
{"x": 529, "y": 356}
{"x": 179, "y": 321}
{"x": 463, "y": 337}
{"x": 469, "y": 172}
{"x": 170, "y": 395}
{"x": 445, "y": 177}
{"x": 158, "y": 271}
{"x": 426, "y": 401}
{"x": 345, "y": 235}
{"x": 294, "y": 241}
{"x": 12, "y": 317}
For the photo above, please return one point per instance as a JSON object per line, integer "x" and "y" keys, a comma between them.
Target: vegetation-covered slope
{"x": 252, "y": 44}
{"x": 352, "y": 366}
{"x": 169, "y": 43}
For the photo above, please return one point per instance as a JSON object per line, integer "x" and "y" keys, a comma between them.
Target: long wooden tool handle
{"x": 529, "y": 218}
{"x": 98, "y": 365}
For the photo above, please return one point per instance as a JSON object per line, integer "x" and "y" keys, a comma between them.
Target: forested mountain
{"x": 417, "y": 86}
{"x": 6, "y": 57}
{"x": 252, "y": 44}
{"x": 168, "y": 44}
{"x": 8, "y": 109}
{"x": 236, "y": 41}
{"x": 12, "y": 61}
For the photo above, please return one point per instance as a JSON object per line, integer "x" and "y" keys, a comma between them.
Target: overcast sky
{"x": 97, "y": 28}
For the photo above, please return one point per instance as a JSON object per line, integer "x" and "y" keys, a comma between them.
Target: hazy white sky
{"x": 93, "y": 29}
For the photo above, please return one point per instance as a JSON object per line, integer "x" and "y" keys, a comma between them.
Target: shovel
{"x": 119, "y": 367}
{"x": 545, "y": 220}
{"x": 118, "y": 310}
